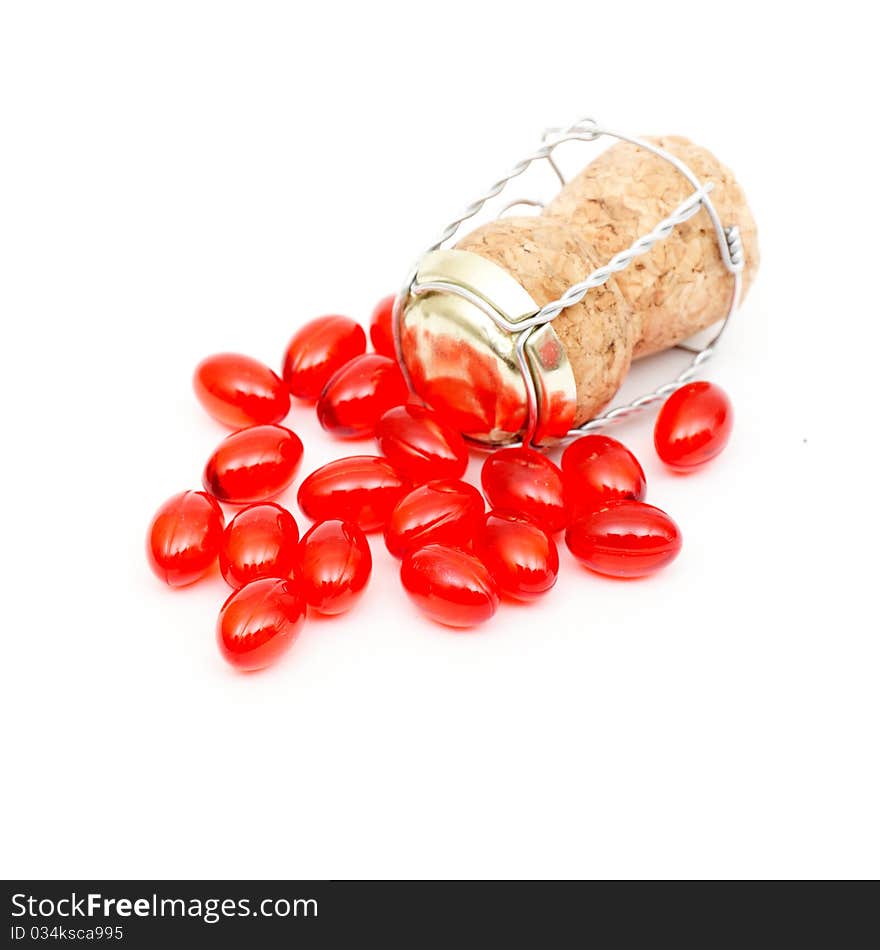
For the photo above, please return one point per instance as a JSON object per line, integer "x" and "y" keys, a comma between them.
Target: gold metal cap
{"x": 465, "y": 366}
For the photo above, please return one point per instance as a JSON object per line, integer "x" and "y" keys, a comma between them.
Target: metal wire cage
{"x": 586, "y": 130}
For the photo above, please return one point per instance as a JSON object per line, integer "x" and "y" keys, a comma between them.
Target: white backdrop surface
{"x": 184, "y": 178}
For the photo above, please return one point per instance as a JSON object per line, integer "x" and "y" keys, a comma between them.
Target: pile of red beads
{"x": 457, "y": 559}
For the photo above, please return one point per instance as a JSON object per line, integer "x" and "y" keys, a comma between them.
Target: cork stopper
{"x": 665, "y": 296}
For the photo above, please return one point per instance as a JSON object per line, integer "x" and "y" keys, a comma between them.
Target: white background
{"x": 184, "y": 178}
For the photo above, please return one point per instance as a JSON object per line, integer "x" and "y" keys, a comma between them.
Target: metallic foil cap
{"x": 465, "y": 366}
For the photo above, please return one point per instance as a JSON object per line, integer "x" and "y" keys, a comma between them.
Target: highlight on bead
{"x": 260, "y": 541}
{"x": 527, "y": 482}
{"x": 259, "y": 622}
{"x": 450, "y": 586}
{"x": 445, "y": 511}
{"x": 184, "y": 538}
{"x": 624, "y": 539}
{"x": 359, "y": 393}
{"x": 421, "y": 444}
{"x": 334, "y": 564}
{"x": 597, "y": 469}
{"x": 521, "y": 557}
{"x": 240, "y": 391}
{"x": 318, "y": 349}
{"x": 361, "y": 489}
{"x": 693, "y": 426}
{"x": 253, "y": 464}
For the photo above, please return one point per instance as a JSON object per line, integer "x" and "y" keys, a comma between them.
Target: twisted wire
{"x": 640, "y": 402}
{"x": 583, "y": 130}
{"x": 734, "y": 246}
{"x": 576, "y": 293}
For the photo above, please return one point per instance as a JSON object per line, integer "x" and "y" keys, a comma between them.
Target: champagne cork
{"x": 462, "y": 364}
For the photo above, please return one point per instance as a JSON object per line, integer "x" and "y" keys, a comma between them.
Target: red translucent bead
{"x": 445, "y": 511}
{"x": 184, "y": 538}
{"x": 359, "y": 394}
{"x": 362, "y": 489}
{"x": 693, "y": 426}
{"x": 420, "y": 444}
{"x": 597, "y": 469}
{"x": 451, "y": 586}
{"x": 317, "y": 350}
{"x": 260, "y": 621}
{"x": 521, "y": 557}
{"x": 381, "y": 332}
{"x": 260, "y": 541}
{"x": 334, "y": 565}
{"x": 624, "y": 539}
{"x": 239, "y": 391}
{"x": 253, "y": 464}
{"x": 528, "y": 483}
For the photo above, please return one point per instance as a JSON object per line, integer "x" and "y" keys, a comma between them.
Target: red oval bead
{"x": 528, "y": 483}
{"x": 317, "y": 350}
{"x": 260, "y": 621}
{"x": 359, "y": 394}
{"x": 420, "y": 444}
{"x": 184, "y": 538}
{"x": 693, "y": 426}
{"x": 624, "y": 539}
{"x": 451, "y": 586}
{"x": 445, "y": 511}
{"x": 381, "y": 330}
{"x": 260, "y": 541}
{"x": 597, "y": 469}
{"x": 334, "y": 565}
{"x": 362, "y": 489}
{"x": 521, "y": 557}
{"x": 239, "y": 391}
{"x": 253, "y": 464}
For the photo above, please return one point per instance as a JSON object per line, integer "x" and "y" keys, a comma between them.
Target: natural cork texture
{"x": 678, "y": 288}
{"x": 547, "y": 256}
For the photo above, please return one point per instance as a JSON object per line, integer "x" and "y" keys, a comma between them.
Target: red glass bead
{"x": 334, "y": 565}
{"x": 253, "y": 464}
{"x": 184, "y": 538}
{"x": 239, "y": 391}
{"x": 624, "y": 539}
{"x": 451, "y": 586}
{"x": 693, "y": 426}
{"x": 260, "y": 541}
{"x": 597, "y": 469}
{"x": 521, "y": 557}
{"x": 260, "y": 621}
{"x": 381, "y": 332}
{"x": 445, "y": 511}
{"x": 362, "y": 489}
{"x": 359, "y": 394}
{"x": 317, "y": 350}
{"x": 528, "y": 483}
{"x": 420, "y": 444}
